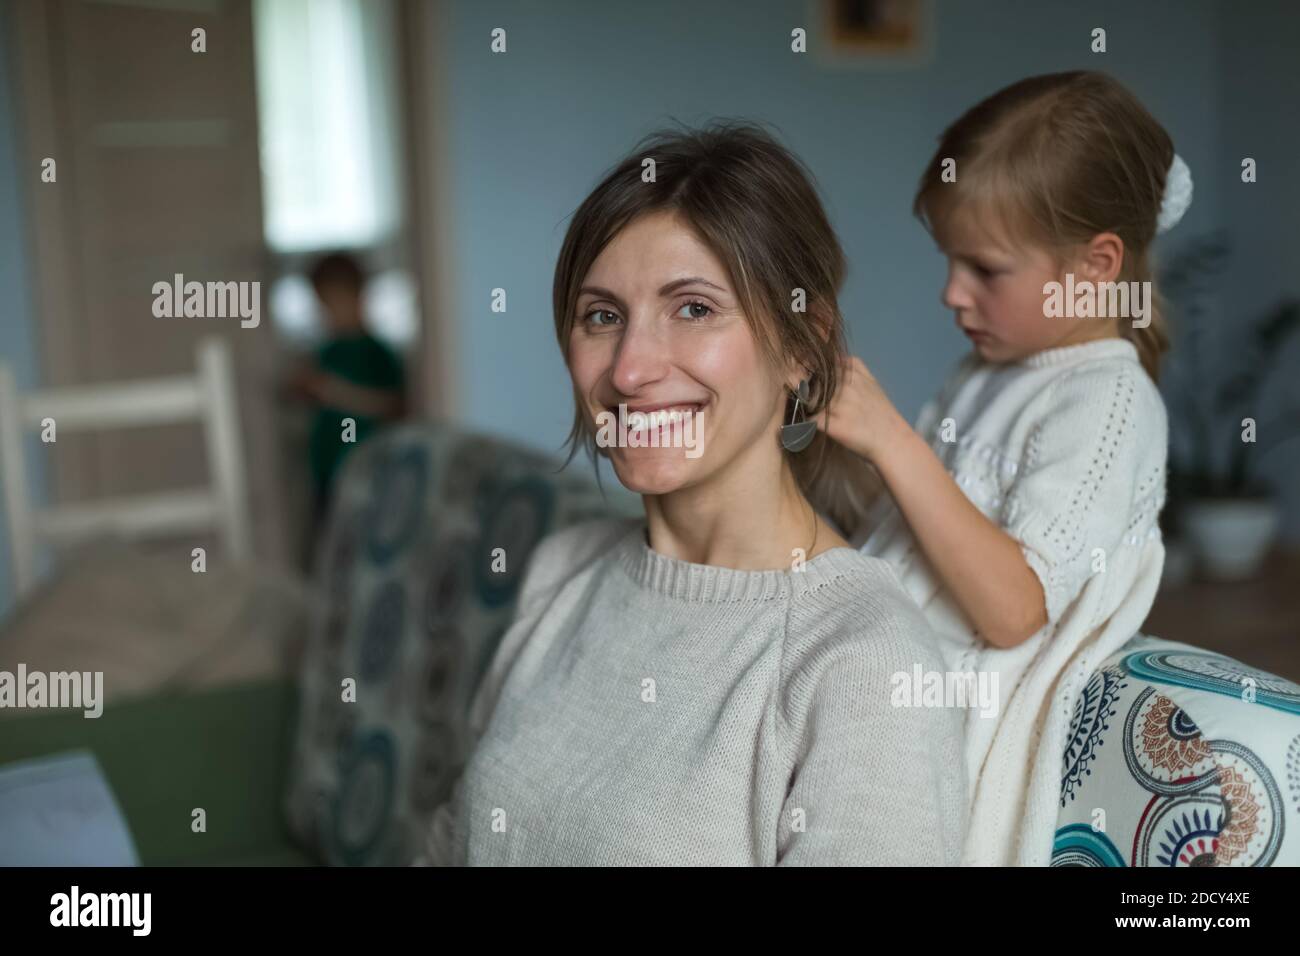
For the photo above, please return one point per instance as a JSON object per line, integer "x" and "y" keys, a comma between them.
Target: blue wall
{"x": 531, "y": 131}
{"x": 1260, "y": 93}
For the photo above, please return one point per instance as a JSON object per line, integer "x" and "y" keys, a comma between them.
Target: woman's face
{"x": 659, "y": 328}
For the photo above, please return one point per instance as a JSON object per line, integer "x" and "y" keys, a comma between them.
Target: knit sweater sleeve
{"x": 1092, "y": 475}
{"x": 551, "y": 564}
{"x": 853, "y": 751}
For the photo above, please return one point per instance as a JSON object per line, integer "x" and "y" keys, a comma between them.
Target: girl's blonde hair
{"x": 754, "y": 205}
{"x": 1055, "y": 160}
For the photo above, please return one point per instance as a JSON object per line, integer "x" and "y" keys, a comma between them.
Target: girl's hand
{"x": 860, "y": 415}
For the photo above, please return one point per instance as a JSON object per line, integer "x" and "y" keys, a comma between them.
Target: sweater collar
{"x": 1084, "y": 351}
{"x": 707, "y": 583}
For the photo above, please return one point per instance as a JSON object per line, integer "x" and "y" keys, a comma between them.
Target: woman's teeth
{"x": 659, "y": 418}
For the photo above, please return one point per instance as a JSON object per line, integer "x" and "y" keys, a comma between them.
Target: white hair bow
{"x": 1177, "y": 197}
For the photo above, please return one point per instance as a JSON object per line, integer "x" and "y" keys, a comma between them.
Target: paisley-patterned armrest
{"x": 1181, "y": 757}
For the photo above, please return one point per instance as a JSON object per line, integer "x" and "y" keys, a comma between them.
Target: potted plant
{"x": 1228, "y": 409}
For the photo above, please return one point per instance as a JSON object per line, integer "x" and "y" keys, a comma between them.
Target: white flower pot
{"x": 1231, "y": 535}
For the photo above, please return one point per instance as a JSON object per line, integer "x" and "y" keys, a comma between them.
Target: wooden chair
{"x": 208, "y": 397}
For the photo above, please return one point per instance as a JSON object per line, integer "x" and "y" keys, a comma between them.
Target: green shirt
{"x": 363, "y": 360}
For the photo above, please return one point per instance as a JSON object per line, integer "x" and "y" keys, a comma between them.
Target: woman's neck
{"x": 748, "y": 520}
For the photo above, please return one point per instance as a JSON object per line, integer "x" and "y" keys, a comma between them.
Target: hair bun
{"x": 1177, "y": 197}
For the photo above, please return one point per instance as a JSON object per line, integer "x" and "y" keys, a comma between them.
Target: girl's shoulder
{"x": 1095, "y": 418}
{"x": 1089, "y": 384}
{"x": 1109, "y": 387}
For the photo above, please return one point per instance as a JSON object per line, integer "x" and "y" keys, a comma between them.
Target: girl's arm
{"x": 980, "y": 564}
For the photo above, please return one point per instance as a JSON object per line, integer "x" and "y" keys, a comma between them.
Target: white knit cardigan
{"x": 1065, "y": 451}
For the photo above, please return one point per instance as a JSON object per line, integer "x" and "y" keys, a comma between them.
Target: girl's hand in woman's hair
{"x": 860, "y": 415}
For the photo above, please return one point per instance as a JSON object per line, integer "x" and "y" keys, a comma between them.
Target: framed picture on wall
{"x": 873, "y": 33}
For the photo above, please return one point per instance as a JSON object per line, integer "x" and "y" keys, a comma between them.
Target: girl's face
{"x": 995, "y": 289}
{"x": 659, "y": 327}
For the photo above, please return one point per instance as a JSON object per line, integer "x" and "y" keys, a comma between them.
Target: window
{"x": 330, "y": 140}
{"x": 326, "y": 94}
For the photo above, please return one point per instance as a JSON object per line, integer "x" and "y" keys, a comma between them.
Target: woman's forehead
{"x": 653, "y": 250}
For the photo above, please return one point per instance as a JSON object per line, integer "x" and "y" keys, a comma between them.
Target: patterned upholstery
{"x": 415, "y": 595}
{"x": 1181, "y": 757}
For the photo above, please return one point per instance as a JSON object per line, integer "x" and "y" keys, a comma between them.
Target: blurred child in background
{"x": 352, "y": 376}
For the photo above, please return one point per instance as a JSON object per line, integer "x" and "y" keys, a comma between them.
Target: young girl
{"x": 1022, "y": 509}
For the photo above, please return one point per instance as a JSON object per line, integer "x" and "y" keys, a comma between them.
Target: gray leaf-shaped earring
{"x": 798, "y": 435}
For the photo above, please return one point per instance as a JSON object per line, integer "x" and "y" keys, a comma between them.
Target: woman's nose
{"x": 642, "y": 358}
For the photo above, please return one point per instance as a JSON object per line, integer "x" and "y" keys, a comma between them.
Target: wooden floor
{"x": 1257, "y": 622}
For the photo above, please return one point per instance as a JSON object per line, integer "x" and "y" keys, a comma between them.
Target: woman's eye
{"x": 598, "y": 317}
{"x": 694, "y": 311}
{"x": 985, "y": 272}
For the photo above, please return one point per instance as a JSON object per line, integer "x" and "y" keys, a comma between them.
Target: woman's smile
{"x": 664, "y": 416}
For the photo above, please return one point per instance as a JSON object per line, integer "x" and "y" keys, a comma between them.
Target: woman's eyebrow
{"x": 676, "y": 284}
{"x": 602, "y": 293}
{"x": 664, "y": 290}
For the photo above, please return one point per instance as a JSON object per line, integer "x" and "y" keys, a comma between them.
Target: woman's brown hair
{"x": 1055, "y": 160}
{"x": 753, "y": 204}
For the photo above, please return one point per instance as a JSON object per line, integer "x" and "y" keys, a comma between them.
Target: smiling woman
{"x": 746, "y": 253}
{"x": 712, "y": 684}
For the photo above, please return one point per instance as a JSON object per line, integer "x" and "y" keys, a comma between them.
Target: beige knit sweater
{"x": 644, "y": 710}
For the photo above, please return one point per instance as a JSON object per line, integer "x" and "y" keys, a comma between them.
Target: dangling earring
{"x": 798, "y": 435}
